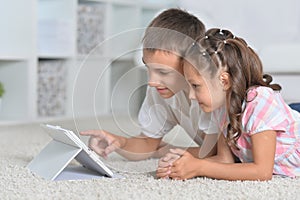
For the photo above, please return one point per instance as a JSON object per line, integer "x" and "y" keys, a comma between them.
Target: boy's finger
{"x": 94, "y": 143}
{"x": 162, "y": 176}
{"x": 109, "y": 149}
{"x": 95, "y": 133}
{"x": 88, "y": 132}
{"x": 170, "y": 157}
{"x": 163, "y": 172}
{"x": 100, "y": 152}
{"x": 178, "y": 151}
{"x": 163, "y": 164}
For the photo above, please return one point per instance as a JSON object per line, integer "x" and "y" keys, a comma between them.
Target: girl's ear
{"x": 225, "y": 80}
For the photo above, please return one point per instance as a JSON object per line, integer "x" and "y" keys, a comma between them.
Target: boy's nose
{"x": 192, "y": 95}
{"x": 153, "y": 83}
{"x": 154, "y": 80}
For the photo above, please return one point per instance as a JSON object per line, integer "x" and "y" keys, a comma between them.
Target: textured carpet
{"x": 20, "y": 143}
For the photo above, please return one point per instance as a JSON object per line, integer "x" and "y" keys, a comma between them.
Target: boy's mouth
{"x": 162, "y": 90}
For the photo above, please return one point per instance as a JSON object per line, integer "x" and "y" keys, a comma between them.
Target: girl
{"x": 256, "y": 125}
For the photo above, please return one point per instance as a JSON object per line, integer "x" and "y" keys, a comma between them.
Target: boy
{"x": 166, "y": 103}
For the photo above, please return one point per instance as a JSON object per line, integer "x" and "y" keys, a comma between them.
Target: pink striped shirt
{"x": 266, "y": 110}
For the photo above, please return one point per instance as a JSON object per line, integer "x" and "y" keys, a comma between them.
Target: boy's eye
{"x": 163, "y": 72}
{"x": 195, "y": 85}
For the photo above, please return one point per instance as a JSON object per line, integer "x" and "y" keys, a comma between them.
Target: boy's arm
{"x": 139, "y": 148}
{"x": 134, "y": 148}
{"x": 207, "y": 149}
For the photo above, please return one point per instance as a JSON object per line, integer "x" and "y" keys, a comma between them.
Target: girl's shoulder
{"x": 260, "y": 93}
{"x": 260, "y": 99}
{"x": 265, "y": 109}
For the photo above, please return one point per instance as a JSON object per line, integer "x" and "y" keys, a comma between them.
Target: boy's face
{"x": 165, "y": 71}
{"x": 207, "y": 91}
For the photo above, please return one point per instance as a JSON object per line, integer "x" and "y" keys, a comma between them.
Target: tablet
{"x": 86, "y": 157}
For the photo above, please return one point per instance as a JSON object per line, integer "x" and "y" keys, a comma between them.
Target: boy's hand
{"x": 185, "y": 167}
{"x": 164, "y": 165}
{"x": 162, "y": 150}
{"x": 103, "y": 142}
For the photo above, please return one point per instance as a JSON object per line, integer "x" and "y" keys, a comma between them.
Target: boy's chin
{"x": 206, "y": 109}
{"x": 167, "y": 95}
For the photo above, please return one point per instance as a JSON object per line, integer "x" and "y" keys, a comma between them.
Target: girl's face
{"x": 209, "y": 92}
{"x": 165, "y": 72}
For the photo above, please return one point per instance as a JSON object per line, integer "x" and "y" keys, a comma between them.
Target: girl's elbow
{"x": 265, "y": 176}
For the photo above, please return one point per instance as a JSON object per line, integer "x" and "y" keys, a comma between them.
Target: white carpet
{"x": 20, "y": 143}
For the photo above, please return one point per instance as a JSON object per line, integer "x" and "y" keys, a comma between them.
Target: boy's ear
{"x": 225, "y": 80}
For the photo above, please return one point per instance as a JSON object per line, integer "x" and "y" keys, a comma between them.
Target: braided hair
{"x": 221, "y": 50}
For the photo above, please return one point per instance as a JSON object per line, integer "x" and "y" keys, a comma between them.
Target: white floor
{"x": 20, "y": 143}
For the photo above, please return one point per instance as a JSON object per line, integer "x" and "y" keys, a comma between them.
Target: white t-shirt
{"x": 158, "y": 116}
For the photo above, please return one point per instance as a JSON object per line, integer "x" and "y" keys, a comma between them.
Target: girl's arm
{"x": 263, "y": 150}
{"x": 224, "y": 154}
{"x": 165, "y": 163}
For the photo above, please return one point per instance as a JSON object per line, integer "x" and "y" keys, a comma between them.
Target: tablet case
{"x": 65, "y": 147}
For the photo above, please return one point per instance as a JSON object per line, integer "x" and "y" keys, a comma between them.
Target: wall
{"x": 64, "y": 58}
{"x": 261, "y": 22}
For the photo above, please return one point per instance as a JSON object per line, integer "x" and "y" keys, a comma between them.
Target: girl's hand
{"x": 185, "y": 167}
{"x": 164, "y": 165}
{"x": 103, "y": 142}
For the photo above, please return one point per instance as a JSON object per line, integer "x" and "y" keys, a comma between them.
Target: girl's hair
{"x": 220, "y": 49}
{"x": 173, "y": 30}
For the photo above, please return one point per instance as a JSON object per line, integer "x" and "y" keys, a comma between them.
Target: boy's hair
{"x": 173, "y": 30}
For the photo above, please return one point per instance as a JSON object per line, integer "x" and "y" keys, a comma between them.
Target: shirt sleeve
{"x": 265, "y": 110}
{"x": 155, "y": 117}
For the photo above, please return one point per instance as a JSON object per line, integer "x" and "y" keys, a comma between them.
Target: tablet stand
{"x": 65, "y": 146}
{"x": 53, "y": 159}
